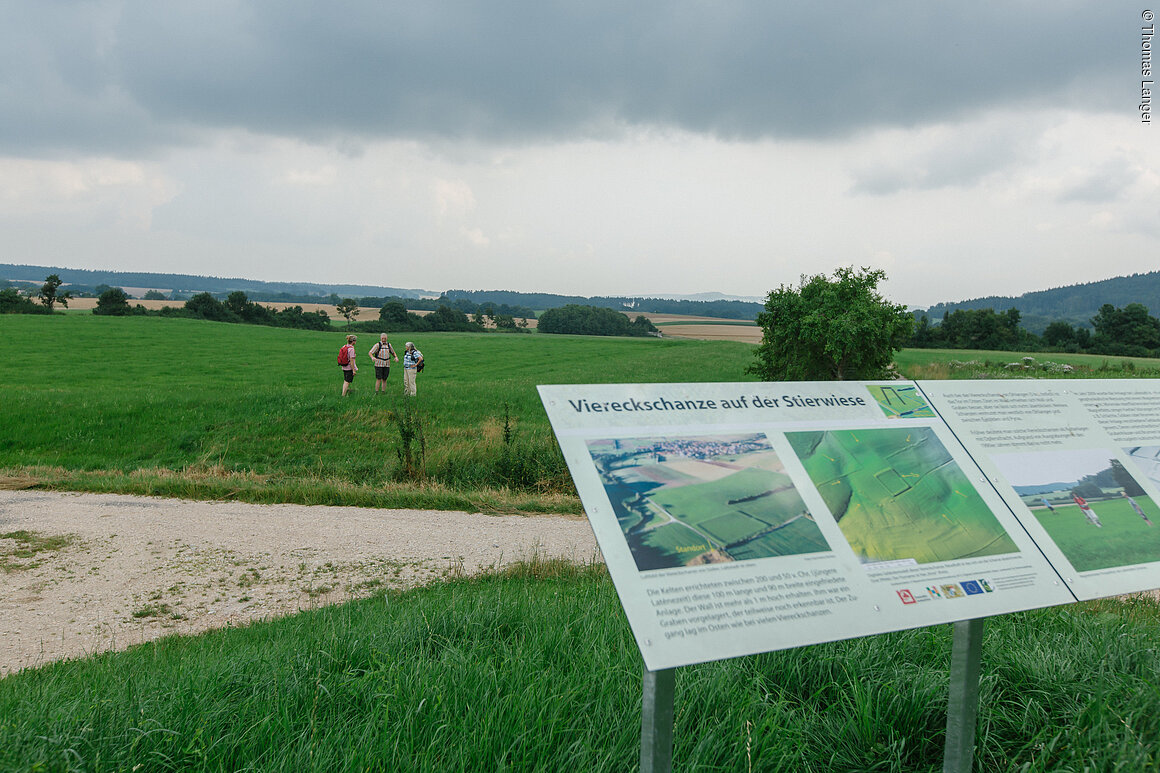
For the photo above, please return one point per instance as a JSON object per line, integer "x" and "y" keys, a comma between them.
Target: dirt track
{"x": 132, "y": 569}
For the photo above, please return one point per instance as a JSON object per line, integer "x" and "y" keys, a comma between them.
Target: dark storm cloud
{"x": 113, "y": 76}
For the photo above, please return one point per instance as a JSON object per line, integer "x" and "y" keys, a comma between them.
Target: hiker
{"x": 346, "y": 359}
{"x": 412, "y": 364}
{"x": 381, "y": 353}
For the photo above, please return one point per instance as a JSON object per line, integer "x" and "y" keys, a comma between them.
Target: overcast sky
{"x": 594, "y": 147}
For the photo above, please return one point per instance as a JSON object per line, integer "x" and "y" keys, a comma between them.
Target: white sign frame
{"x": 741, "y": 607}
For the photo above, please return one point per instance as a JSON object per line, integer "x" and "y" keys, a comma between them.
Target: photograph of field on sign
{"x": 1089, "y": 503}
{"x": 897, "y": 495}
{"x": 689, "y": 501}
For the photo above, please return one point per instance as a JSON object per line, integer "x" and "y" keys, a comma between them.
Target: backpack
{"x": 343, "y": 356}
{"x": 419, "y": 367}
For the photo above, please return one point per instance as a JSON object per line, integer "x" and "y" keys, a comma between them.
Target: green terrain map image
{"x": 689, "y": 501}
{"x": 898, "y": 495}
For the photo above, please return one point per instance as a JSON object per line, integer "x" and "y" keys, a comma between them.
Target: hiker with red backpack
{"x": 346, "y": 362}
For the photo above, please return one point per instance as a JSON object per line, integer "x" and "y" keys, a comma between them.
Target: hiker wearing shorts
{"x": 381, "y": 353}
{"x": 349, "y": 369}
{"x": 412, "y": 361}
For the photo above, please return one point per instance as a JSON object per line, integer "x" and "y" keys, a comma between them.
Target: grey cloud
{"x": 961, "y": 159}
{"x": 1104, "y": 185}
{"x": 112, "y": 76}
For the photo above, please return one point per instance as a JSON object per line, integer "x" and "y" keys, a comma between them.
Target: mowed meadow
{"x": 211, "y": 410}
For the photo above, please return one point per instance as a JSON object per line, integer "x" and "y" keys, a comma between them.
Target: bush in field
{"x": 394, "y": 318}
{"x": 294, "y": 316}
{"x": 12, "y": 302}
{"x": 113, "y": 302}
{"x": 237, "y": 307}
{"x": 576, "y": 319}
{"x": 395, "y": 313}
{"x": 830, "y": 329}
{"x": 412, "y": 449}
{"x": 205, "y": 306}
{"x": 446, "y": 319}
{"x": 518, "y": 465}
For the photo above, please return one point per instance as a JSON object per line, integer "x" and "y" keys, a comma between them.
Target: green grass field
{"x": 1122, "y": 540}
{"x": 211, "y": 410}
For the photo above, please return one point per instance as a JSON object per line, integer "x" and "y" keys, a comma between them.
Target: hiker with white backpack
{"x": 381, "y": 353}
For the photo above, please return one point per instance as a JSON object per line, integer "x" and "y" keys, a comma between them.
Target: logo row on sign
{"x": 953, "y": 590}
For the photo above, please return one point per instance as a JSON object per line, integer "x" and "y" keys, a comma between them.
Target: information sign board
{"x": 738, "y": 518}
{"x": 1078, "y": 462}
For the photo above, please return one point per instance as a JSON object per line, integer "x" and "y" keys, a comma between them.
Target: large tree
{"x": 830, "y": 329}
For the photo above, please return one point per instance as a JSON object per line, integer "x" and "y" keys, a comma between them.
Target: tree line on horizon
{"x": 1123, "y": 332}
{"x": 393, "y": 314}
{"x": 1075, "y": 304}
{"x": 87, "y": 283}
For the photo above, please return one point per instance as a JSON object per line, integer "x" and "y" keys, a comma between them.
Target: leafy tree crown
{"x": 828, "y": 329}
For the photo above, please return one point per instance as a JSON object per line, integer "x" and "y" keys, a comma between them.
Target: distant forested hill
{"x": 1076, "y": 304}
{"x": 189, "y": 283}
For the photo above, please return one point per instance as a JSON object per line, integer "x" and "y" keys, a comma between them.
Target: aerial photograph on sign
{"x": 1089, "y": 503}
{"x": 690, "y": 501}
{"x": 899, "y": 496}
{"x": 901, "y": 402}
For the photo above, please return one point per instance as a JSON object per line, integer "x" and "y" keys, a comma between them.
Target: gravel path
{"x": 84, "y": 573}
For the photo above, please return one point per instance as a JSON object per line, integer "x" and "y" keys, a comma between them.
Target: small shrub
{"x": 517, "y": 466}
{"x": 412, "y": 449}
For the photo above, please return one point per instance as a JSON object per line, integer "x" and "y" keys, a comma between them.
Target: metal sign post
{"x": 656, "y": 721}
{"x": 963, "y": 705}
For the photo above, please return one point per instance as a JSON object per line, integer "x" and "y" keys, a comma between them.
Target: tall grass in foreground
{"x": 535, "y": 669}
